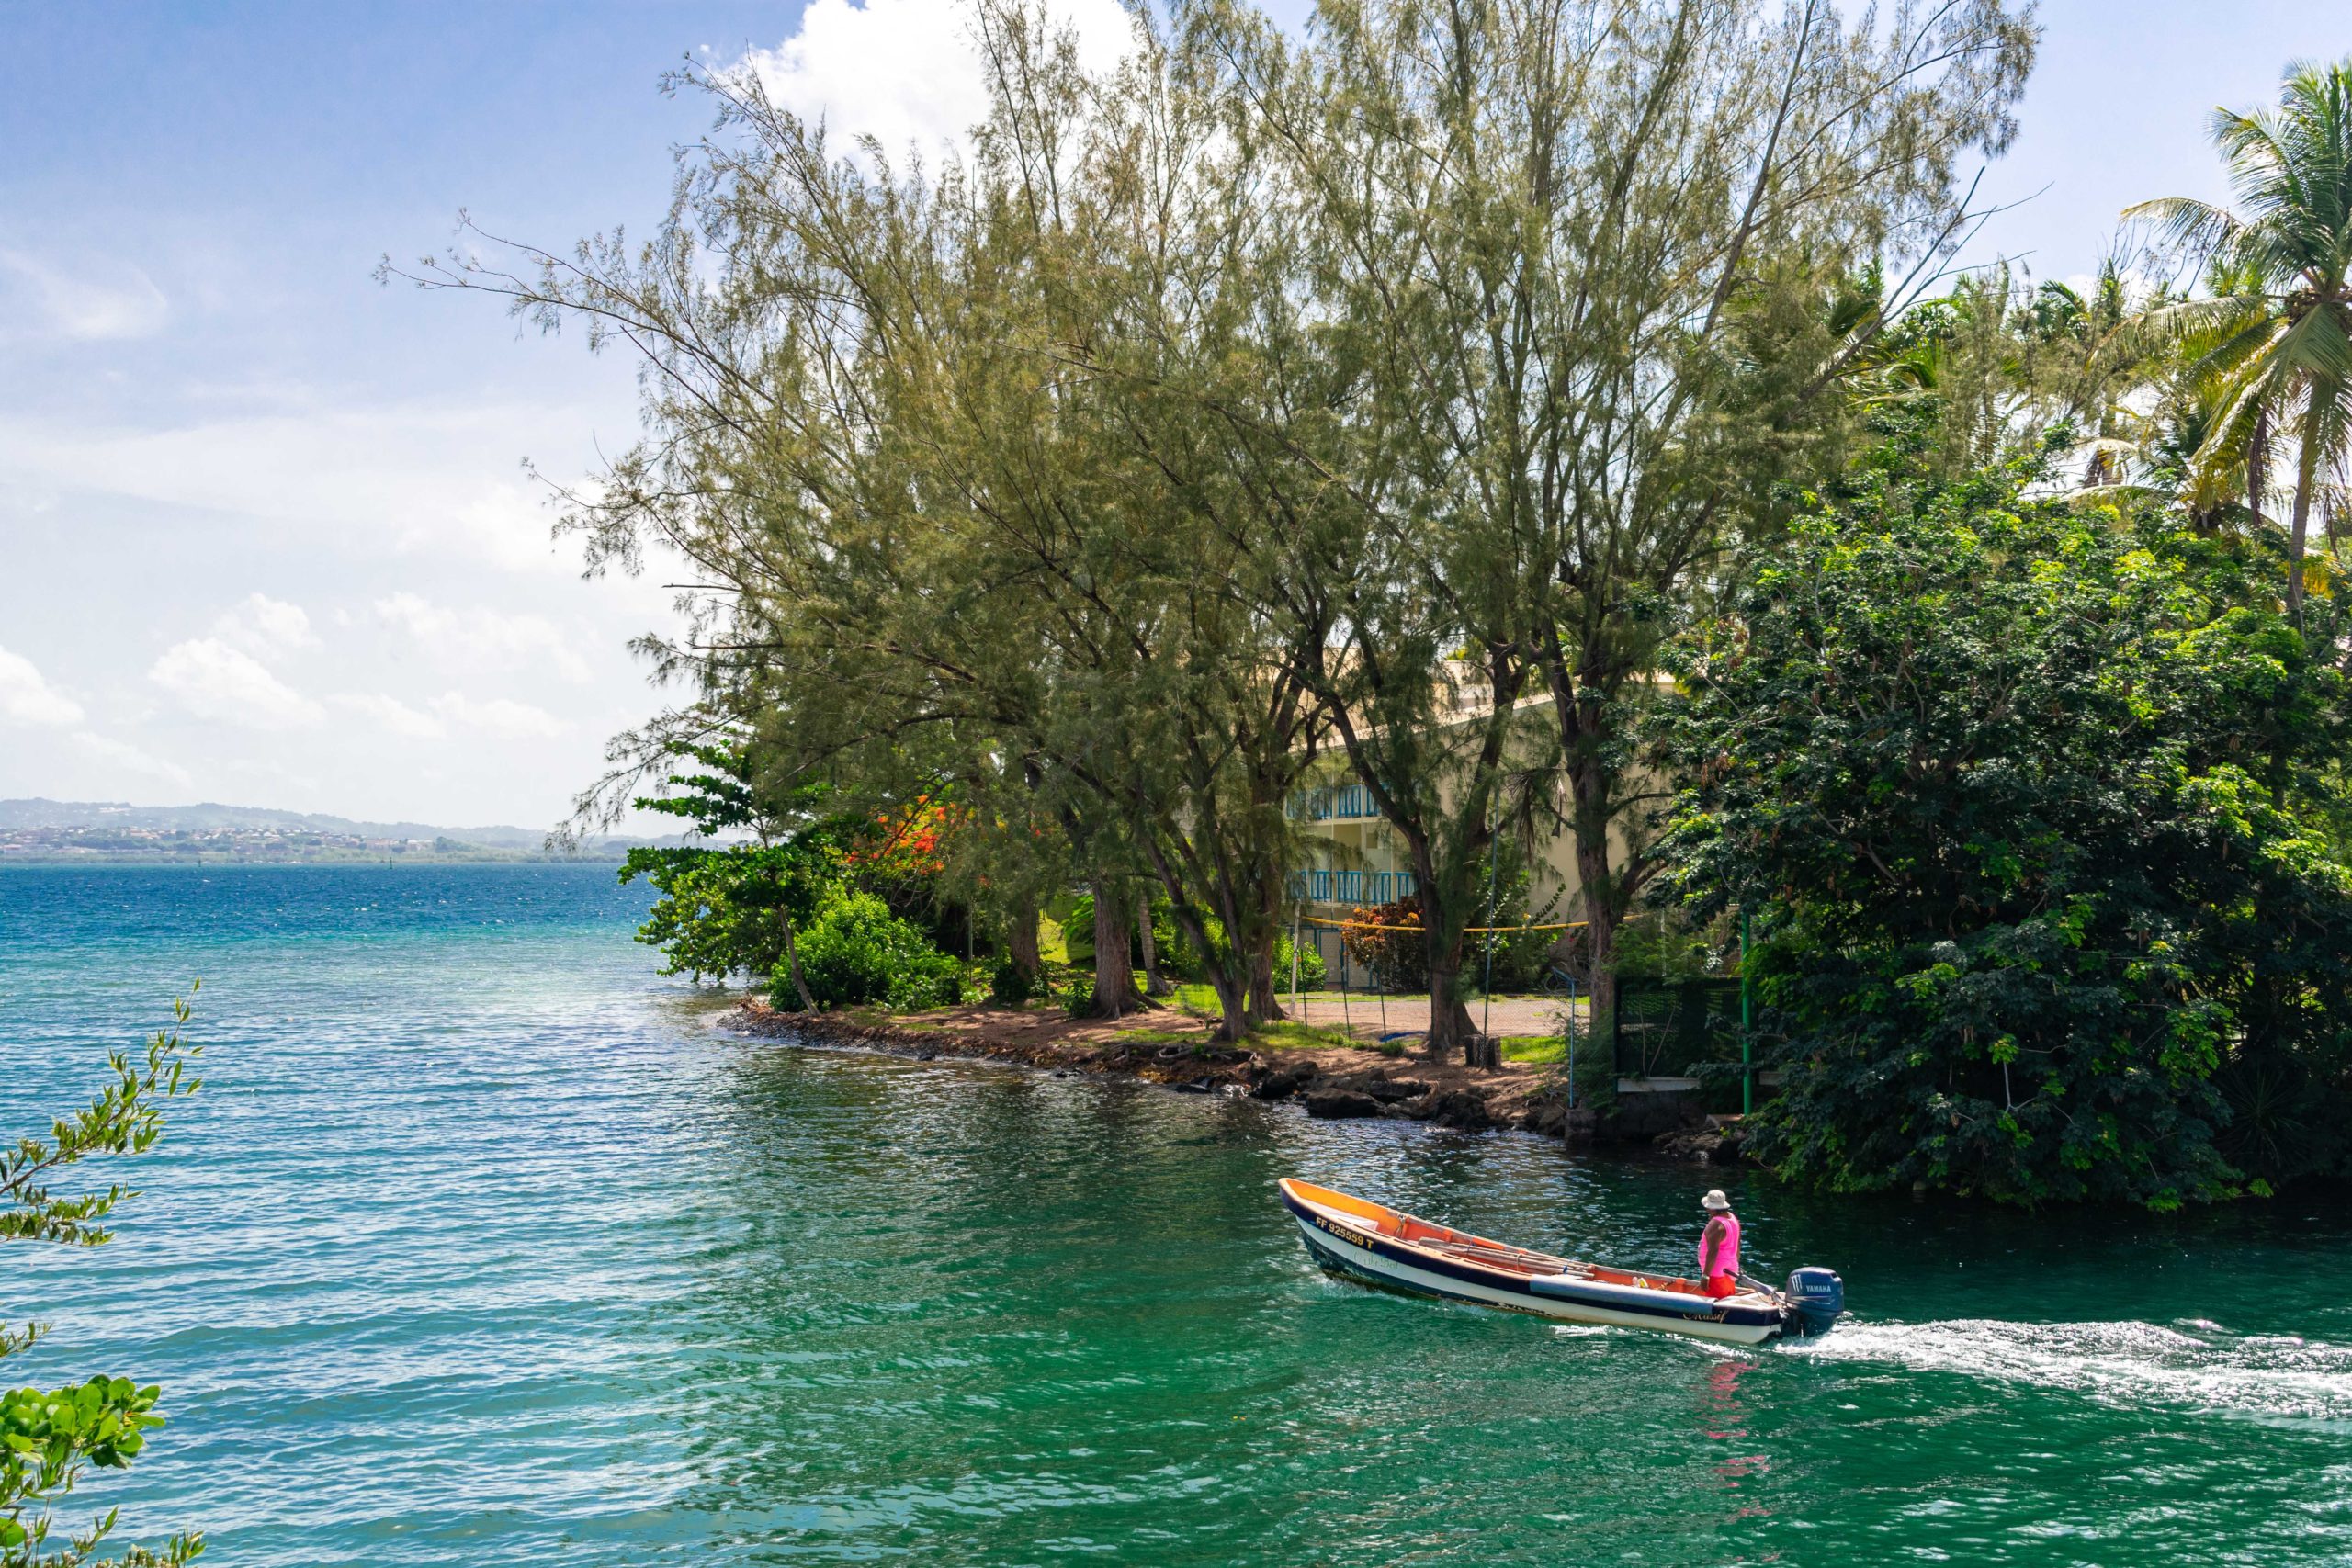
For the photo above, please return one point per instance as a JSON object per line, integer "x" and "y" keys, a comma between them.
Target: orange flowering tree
{"x": 909, "y": 843}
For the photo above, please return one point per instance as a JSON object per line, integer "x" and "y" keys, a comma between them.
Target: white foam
{"x": 2198, "y": 1364}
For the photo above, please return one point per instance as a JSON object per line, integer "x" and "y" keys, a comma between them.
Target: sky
{"x": 266, "y": 534}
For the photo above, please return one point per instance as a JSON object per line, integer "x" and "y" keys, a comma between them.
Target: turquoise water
{"x": 482, "y": 1248}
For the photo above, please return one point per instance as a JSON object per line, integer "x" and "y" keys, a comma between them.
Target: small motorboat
{"x": 1379, "y": 1246}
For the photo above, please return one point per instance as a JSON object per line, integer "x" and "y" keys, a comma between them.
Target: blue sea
{"x": 482, "y": 1246}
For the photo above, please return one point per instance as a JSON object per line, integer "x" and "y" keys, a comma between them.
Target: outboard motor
{"x": 1819, "y": 1297}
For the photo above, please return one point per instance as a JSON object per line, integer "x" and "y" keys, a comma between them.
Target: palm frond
{"x": 2184, "y": 223}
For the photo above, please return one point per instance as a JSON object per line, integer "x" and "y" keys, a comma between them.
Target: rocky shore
{"x": 1330, "y": 1083}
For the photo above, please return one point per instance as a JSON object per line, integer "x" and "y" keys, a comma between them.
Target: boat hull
{"x": 1358, "y": 1252}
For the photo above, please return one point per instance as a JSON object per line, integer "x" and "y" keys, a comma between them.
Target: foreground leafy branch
{"x": 48, "y": 1437}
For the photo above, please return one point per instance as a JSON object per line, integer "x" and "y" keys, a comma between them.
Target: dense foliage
{"x": 49, "y": 1436}
{"x": 1273, "y": 395}
{"x": 791, "y": 900}
{"x": 1377, "y": 402}
{"x": 857, "y": 951}
{"x": 2025, "y": 802}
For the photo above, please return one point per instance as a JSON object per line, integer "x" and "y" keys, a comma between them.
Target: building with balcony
{"x": 1356, "y": 859}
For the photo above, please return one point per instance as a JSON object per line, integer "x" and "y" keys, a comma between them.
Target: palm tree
{"x": 2285, "y": 364}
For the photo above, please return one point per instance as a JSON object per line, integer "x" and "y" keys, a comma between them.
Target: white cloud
{"x": 410, "y": 480}
{"x": 392, "y": 716}
{"x": 499, "y": 717}
{"x": 265, "y": 627}
{"x": 906, "y": 71}
{"x": 90, "y": 301}
{"x": 122, "y": 754}
{"x": 27, "y": 698}
{"x": 471, "y": 639}
{"x": 214, "y": 680}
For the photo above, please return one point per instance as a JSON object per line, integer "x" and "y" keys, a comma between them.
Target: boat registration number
{"x": 1343, "y": 1232}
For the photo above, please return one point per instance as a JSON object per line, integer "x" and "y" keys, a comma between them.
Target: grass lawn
{"x": 1289, "y": 1036}
{"x": 1157, "y": 1037}
{"x": 1194, "y": 998}
{"x": 1535, "y": 1049}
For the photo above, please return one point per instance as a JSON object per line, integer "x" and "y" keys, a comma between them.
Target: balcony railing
{"x": 1350, "y": 886}
{"x": 1339, "y": 803}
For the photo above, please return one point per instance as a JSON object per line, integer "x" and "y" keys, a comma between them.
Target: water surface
{"x": 482, "y": 1247}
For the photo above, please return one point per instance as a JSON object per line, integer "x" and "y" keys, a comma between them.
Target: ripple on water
{"x": 482, "y": 1248}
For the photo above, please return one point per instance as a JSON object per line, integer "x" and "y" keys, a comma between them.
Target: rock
{"x": 1283, "y": 1082}
{"x": 1341, "y": 1104}
{"x": 1645, "y": 1118}
{"x": 1464, "y": 1110}
{"x": 1389, "y": 1091}
{"x": 1194, "y": 1085}
{"x": 1715, "y": 1139}
{"x": 1552, "y": 1117}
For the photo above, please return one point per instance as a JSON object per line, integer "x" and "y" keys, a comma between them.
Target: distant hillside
{"x": 85, "y": 830}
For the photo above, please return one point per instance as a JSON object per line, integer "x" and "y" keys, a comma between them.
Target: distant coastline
{"x": 49, "y": 832}
{"x": 468, "y": 854}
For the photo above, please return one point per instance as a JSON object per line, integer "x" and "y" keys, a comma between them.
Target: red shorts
{"x": 1720, "y": 1285}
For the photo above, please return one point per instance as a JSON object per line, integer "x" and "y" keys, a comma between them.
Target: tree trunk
{"x": 1450, "y": 1025}
{"x": 1601, "y": 889}
{"x": 1265, "y": 1001}
{"x": 1021, "y": 940}
{"x": 2258, "y": 464}
{"x": 1153, "y": 984}
{"x": 1602, "y": 918}
{"x": 1232, "y": 1006}
{"x": 792, "y": 962}
{"x": 1115, "y": 977}
{"x": 2306, "y": 473}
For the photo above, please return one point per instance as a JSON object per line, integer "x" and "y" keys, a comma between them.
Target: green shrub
{"x": 1180, "y": 960}
{"x": 1011, "y": 985}
{"x": 859, "y": 951}
{"x": 1311, "y": 972}
{"x": 1077, "y": 932}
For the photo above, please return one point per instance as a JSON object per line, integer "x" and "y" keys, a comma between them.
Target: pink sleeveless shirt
{"x": 1728, "y": 1252}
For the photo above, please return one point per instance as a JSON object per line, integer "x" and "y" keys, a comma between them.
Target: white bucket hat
{"x": 1714, "y": 1202}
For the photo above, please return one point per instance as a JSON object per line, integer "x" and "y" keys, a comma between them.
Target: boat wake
{"x": 2194, "y": 1363}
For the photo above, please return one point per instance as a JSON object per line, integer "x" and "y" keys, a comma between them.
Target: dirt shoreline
{"x": 1163, "y": 1045}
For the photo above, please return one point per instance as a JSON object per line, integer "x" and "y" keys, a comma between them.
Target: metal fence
{"x": 1668, "y": 1029}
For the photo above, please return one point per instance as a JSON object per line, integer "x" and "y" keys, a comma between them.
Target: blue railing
{"x": 1340, "y": 803}
{"x": 1350, "y": 886}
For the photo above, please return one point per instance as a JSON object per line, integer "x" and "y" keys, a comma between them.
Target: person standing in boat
{"x": 1719, "y": 1247}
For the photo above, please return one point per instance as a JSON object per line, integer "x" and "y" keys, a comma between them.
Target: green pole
{"x": 1747, "y": 1073}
